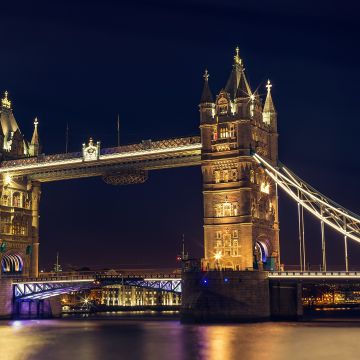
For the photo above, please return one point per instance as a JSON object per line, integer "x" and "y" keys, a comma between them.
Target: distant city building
{"x": 119, "y": 295}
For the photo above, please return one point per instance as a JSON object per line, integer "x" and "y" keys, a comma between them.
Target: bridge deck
{"x": 44, "y": 287}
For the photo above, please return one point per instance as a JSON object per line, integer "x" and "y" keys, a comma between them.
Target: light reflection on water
{"x": 168, "y": 339}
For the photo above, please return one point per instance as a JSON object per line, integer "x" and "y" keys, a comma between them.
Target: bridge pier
{"x": 286, "y": 300}
{"x": 37, "y": 309}
{"x": 225, "y": 296}
{"x": 6, "y": 298}
{"x": 238, "y": 296}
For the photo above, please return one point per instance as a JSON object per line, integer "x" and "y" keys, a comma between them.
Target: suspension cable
{"x": 327, "y": 211}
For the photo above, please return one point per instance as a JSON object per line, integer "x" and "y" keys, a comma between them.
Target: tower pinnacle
{"x": 206, "y": 75}
{"x": 268, "y": 86}
{"x": 206, "y": 96}
{"x": 269, "y": 105}
{"x": 269, "y": 112}
{"x": 237, "y": 59}
{"x": 5, "y": 102}
{"x": 34, "y": 147}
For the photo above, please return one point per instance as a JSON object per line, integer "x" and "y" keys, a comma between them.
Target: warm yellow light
{"x": 218, "y": 255}
{"x": 265, "y": 188}
{"x": 7, "y": 179}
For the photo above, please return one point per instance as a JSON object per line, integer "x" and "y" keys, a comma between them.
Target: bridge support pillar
{"x": 37, "y": 309}
{"x": 6, "y": 298}
{"x": 286, "y": 300}
{"x": 225, "y": 296}
{"x": 35, "y": 228}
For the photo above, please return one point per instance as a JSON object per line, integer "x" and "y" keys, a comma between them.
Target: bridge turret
{"x": 240, "y": 206}
{"x": 13, "y": 142}
{"x": 269, "y": 117}
{"x": 269, "y": 112}
{"x": 207, "y": 105}
{"x": 34, "y": 148}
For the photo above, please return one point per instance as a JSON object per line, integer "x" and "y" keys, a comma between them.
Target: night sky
{"x": 82, "y": 62}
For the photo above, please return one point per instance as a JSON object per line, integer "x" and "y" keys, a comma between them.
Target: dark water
{"x": 154, "y": 339}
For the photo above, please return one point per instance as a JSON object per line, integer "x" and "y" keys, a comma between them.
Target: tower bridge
{"x": 237, "y": 151}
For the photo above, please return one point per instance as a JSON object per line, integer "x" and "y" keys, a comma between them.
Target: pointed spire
{"x": 235, "y": 75}
{"x": 269, "y": 105}
{"x": 35, "y": 137}
{"x": 206, "y": 96}
{"x": 5, "y": 102}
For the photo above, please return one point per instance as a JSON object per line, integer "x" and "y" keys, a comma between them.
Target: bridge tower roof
{"x": 7, "y": 119}
{"x": 269, "y": 104}
{"x": 35, "y": 137}
{"x": 237, "y": 78}
{"x": 206, "y": 96}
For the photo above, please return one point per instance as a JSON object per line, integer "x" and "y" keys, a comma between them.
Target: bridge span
{"x": 25, "y": 289}
{"x": 94, "y": 161}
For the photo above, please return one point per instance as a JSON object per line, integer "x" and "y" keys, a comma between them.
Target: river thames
{"x": 156, "y": 339}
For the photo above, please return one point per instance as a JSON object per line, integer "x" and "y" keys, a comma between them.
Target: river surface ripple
{"x": 153, "y": 339}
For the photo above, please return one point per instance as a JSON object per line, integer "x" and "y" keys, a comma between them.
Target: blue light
{"x": 205, "y": 281}
{"x": 226, "y": 280}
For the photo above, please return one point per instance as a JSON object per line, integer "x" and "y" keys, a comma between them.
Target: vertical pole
{"x": 67, "y": 138}
{"x": 277, "y": 222}
{"x": 118, "y": 130}
{"x": 57, "y": 262}
{"x": 300, "y": 239}
{"x": 303, "y": 237}
{"x": 35, "y": 200}
{"x": 323, "y": 249}
{"x": 346, "y": 249}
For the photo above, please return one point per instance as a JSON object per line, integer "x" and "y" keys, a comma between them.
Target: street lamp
{"x": 218, "y": 257}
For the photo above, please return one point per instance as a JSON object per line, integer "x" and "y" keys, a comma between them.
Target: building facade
{"x": 19, "y": 200}
{"x": 122, "y": 295}
{"x": 241, "y": 228}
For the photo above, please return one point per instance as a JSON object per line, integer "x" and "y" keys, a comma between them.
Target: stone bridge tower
{"x": 19, "y": 201}
{"x": 241, "y": 229}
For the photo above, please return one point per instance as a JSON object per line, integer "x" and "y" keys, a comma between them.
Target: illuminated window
{"x": 217, "y": 176}
{"x": 16, "y": 199}
{"x": 234, "y": 209}
{"x": 227, "y": 209}
{"x": 5, "y": 200}
{"x": 214, "y": 134}
{"x": 226, "y": 175}
{"x": 265, "y": 188}
{"x": 218, "y": 210}
{"x": 233, "y": 174}
{"x": 235, "y": 234}
{"x": 232, "y": 130}
{"x": 218, "y": 234}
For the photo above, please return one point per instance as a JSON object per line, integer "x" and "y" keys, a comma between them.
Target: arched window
{"x": 5, "y": 200}
{"x": 11, "y": 264}
{"x": 16, "y": 200}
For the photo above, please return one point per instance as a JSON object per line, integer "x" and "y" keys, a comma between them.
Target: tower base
{"x": 225, "y": 296}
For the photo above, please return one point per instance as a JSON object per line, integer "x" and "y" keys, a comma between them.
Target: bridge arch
{"x": 12, "y": 264}
{"x": 261, "y": 252}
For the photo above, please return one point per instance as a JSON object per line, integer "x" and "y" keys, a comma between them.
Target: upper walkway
{"x": 147, "y": 155}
